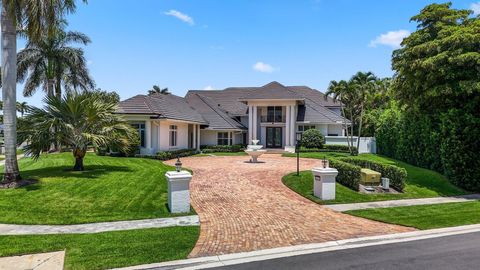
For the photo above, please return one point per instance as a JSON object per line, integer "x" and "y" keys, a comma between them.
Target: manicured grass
{"x": 421, "y": 183}
{"x": 221, "y": 154}
{"x": 110, "y": 249}
{"x": 109, "y": 189}
{"x": 426, "y": 216}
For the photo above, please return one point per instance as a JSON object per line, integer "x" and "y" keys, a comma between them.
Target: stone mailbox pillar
{"x": 178, "y": 191}
{"x": 324, "y": 183}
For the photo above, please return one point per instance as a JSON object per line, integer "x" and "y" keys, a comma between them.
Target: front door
{"x": 274, "y": 137}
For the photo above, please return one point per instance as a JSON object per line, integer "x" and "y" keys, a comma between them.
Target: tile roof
{"x": 160, "y": 105}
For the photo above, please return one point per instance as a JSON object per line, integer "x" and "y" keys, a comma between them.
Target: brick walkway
{"x": 245, "y": 207}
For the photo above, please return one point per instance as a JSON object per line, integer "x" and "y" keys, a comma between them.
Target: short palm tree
{"x": 80, "y": 119}
{"x": 50, "y": 63}
{"x": 36, "y": 17}
{"x": 157, "y": 90}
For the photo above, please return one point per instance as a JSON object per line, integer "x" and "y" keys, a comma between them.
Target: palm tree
{"x": 22, "y": 107}
{"x": 81, "y": 119}
{"x": 341, "y": 91}
{"x": 51, "y": 62}
{"x": 37, "y": 18}
{"x": 157, "y": 90}
{"x": 364, "y": 84}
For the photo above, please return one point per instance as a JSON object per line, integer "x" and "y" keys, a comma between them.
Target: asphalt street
{"x": 445, "y": 253}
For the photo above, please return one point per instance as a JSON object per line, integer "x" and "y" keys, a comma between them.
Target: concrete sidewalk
{"x": 405, "y": 202}
{"x": 13, "y": 229}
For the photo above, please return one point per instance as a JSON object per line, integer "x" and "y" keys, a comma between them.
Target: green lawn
{"x": 110, "y": 189}
{"x": 421, "y": 183}
{"x": 426, "y": 216}
{"x": 110, "y": 249}
{"x": 222, "y": 154}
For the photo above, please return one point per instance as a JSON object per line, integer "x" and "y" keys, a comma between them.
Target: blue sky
{"x": 215, "y": 44}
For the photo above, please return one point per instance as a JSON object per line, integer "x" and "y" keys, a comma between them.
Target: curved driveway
{"x": 245, "y": 206}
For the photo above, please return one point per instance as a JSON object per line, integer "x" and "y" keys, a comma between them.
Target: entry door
{"x": 274, "y": 137}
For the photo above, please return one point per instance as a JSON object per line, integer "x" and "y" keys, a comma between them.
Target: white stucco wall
{"x": 182, "y": 136}
{"x": 209, "y": 137}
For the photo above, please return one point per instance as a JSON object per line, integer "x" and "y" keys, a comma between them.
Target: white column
{"x": 148, "y": 134}
{"x": 287, "y": 126}
{"x": 194, "y": 137}
{"x": 198, "y": 138}
{"x": 229, "y": 136}
{"x": 250, "y": 124}
{"x": 293, "y": 118}
{"x": 158, "y": 135}
{"x": 255, "y": 123}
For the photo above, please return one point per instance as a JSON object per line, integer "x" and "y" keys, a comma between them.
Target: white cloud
{"x": 263, "y": 67}
{"x": 89, "y": 62}
{"x": 208, "y": 88}
{"x": 391, "y": 38}
{"x": 181, "y": 16}
{"x": 476, "y": 8}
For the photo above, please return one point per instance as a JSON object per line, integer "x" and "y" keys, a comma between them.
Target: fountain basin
{"x": 254, "y": 154}
{"x": 254, "y": 147}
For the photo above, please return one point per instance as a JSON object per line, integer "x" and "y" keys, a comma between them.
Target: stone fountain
{"x": 254, "y": 151}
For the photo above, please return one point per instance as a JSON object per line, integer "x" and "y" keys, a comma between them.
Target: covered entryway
{"x": 274, "y": 137}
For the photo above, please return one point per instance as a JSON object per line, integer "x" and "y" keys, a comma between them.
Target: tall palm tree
{"x": 22, "y": 107}
{"x": 80, "y": 119}
{"x": 341, "y": 91}
{"x": 365, "y": 85}
{"x": 36, "y": 17}
{"x": 157, "y": 90}
{"x": 51, "y": 62}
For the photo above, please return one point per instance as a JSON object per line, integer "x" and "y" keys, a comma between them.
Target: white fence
{"x": 367, "y": 144}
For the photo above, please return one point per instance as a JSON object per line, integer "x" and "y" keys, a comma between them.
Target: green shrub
{"x": 312, "y": 138}
{"x": 166, "y": 155}
{"x": 328, "y": 148}
{"x": 101, "y": 151}
{"x": 397, "y": 175}
{"x": 348, "y": 174}
{"x": 222, "y": 148}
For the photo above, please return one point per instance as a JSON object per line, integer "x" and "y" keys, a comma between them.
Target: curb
{"x": 267, "y": 254}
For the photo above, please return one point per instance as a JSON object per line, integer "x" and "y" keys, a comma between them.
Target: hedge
{"x": 222, "y": 148}
{"x": 348, "y": 174}
{"x": 329, "y": 148}
{"x": 397, "y": 175}
{"x": 166, "y": 155}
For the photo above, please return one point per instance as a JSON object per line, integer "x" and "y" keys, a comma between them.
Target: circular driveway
{"x": 245, "y": 206}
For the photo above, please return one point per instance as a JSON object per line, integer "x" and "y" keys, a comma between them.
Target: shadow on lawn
{"x": 90, "y": 172}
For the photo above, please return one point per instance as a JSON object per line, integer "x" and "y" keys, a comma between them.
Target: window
{"x": 274, "y": 114}
{"x": 173, "y": 135}
{"x": 141, "y": 132}
{"x": 222, "y": 138}
{"x": 305, "y": 128}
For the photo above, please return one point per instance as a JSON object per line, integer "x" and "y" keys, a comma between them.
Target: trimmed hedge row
{"x": 397, "y": 175}
{"x": 348, "y": 174}
{"x": 222, "y": 148}
{"x": 166, "y": 155}
{"x": 329, "y": 148}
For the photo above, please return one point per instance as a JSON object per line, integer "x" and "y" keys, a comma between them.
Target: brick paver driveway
{"x": 244, "y": 207}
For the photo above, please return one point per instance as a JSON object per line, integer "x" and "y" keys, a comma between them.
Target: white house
{"x": 272, "y": 113}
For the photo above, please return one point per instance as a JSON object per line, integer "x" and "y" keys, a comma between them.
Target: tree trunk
{"x": 9, "y": 95}
{"x": 352, "y": 152}
{"x": 346, "y": 126}
{"x": 79, "y": 154}
{"x": 360, "y": 128}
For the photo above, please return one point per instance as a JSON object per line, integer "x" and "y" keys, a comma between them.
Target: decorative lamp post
{"x": 178, "y": 164}
{"x": 297, "y": 149}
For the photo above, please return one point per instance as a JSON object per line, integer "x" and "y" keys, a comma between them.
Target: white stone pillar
{"x": 293, "y": 120}
{"x": 287, "y": 126}
{"x": 229, "y": 137}
{"x": 194, "y": 137}
{"x": 198, "y": 138}
{"x": 178, "y": 191}
{"x": 324, "y": 183}
{"x": 148, "y": 134}
{"x": 158, "y": 137}
{"x": 255, "y": 134}
{"x": 250, "y": 124}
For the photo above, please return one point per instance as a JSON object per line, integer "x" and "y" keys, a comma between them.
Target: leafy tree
{"x": 22, "y": 107}
{"x": 36, "y": 17}
{"x": 80, "y": 120}
{"x": 157, "y": 90}
{"x": 312, "y": 138}
{"x": 51, "y": 62}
